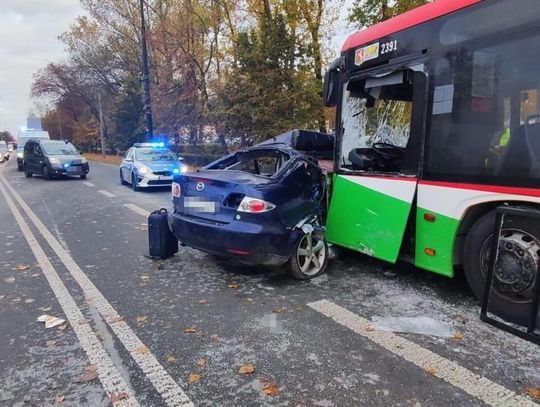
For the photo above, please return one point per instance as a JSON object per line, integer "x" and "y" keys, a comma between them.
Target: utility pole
{"x": 101, "y": 128}
{"x": 146, "y": 78}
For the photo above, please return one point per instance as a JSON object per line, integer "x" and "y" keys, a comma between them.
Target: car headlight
{"x": 84, "y": 160}
{"x": 53, "y": 160}
{"x": 144, "y": 170}
{"x": 184, "y": 169}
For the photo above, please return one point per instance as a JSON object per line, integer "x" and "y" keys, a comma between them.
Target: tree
{"x": 368, "y": 12}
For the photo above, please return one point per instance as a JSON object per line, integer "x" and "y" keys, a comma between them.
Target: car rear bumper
{"x": 245, "y": 242}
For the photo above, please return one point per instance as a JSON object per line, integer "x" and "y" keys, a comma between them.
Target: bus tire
{"x": 516, "y": 269}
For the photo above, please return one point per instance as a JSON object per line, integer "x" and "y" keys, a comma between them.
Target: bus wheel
{"x": 516, "y": 269}
{"x": 310, "y": 257}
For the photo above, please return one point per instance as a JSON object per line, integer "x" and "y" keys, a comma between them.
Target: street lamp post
{"x": 146, "y": 78}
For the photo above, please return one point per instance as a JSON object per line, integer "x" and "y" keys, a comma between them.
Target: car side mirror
{"x": 128, "y": 160}
{"x": 331, "y": 84}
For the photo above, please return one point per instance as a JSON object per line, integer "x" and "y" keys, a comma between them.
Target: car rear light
{"x": 254, "y": 205}
{"x": 176, "y": 190}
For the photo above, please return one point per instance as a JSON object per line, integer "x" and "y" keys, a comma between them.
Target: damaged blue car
{"x": 262, "y": 205}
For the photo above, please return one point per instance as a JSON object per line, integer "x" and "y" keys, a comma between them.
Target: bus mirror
{"x": 330, "y": 87}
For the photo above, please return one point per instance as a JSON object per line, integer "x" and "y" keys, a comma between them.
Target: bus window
{"x": 486, "y": 129}
{"x": 376, "y": 122}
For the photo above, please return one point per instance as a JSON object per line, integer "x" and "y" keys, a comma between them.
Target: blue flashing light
{"x": 176, "y": 171}
{"x": 66, "y": 165}
{"x": 160, "y": 144}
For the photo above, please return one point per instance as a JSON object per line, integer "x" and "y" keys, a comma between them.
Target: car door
{"x": 37, "y": 159}
{"x": 371, "y": 205}
{"x": 127, "y": 163}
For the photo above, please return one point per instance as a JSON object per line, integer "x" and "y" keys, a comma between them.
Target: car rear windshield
{"x": 265, "y": 163}
{"x": 59, "y": 149}
{"x": 152, "y": 154}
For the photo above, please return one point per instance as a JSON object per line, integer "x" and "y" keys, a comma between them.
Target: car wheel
{"x": 134, "y": 182}
{"x": 310, "y": 257}
{"x": 516, "y": 269}
{"x": 83, "y": 176}
{"x": 27, "y": 172}
{"x": 122, "y": 180}
{"x": 46, "y": 172}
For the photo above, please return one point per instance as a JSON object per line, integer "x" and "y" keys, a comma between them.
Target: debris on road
{"x": 430, "y": 371}
{"x": 201, "y": 362}
{"x": 22, "y": 267}
{"x": 50, "y": 321}
{"x": 246, "y": 369}
{"x": 194, "y": 377}
{"x": 271, "y": 389}
{"x": 89, "y": 374}
{"x": 59, "y": 399}
{"x": 141, "y": 319}
{"x": 9, "y": 280}
{"x": 171, "y": 359}
{"x": 141, "y": 351}
{"x": 413, "y": 325}
{"x": 234, "y": 285}
{"x": 533, "y": 392}
{"x": 117, "y": 396}
{"x": 50, "y": 344}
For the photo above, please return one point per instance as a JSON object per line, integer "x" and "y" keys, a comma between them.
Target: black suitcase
{"x": 162, "y": 243}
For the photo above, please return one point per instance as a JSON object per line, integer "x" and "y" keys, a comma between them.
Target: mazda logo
{"x": 200, "y": 186}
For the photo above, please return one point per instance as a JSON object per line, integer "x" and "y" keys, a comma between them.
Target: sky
{"x": 29, "y": 31}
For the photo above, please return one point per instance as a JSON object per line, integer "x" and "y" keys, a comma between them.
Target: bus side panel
{"x": 369, "y": 214}
{"x": 438, "y": 235}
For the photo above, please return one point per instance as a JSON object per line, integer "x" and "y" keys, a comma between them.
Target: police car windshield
{"x": 155, "y": 154}
{"x": 59, "y": 149}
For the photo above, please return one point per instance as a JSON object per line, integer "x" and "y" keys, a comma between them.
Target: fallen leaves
{"x": 247, "y": 369}
{"x": 271, "y": 389}
{"x": 50, "y": 321}
{"x": 50, "y": 344}
{"x": 278, "y": 310}
{"x": 141, "y": 351}
{"x": 9, "y": 280}
{"x": 45, "y": 309}
{"x": 458, "y": 336}
{"x": 370, "y": 329}
{"x": 190, "y": 330}
{"x": 116, "y": 396}
{"x": 171, "y": 359}
{"x": 141, "y": 319}
{"x": 234, "y": 285}
{"x": 59, "y": 399}
{"x": 2, "y": 296}
{"x": 22, "y": 267}
{"x": 533, "y": 392}
{"x": 194, "y": 377}
{"x": 203, "y": 301}
{"x": 89, "y": 374}
{"x": 62, "y": 327}
{"x": 116, "y": 319}
{"x": 249, "y": 299}
{"x": 201, "y": 362}
{"x": 430, "y": 371}
{"x": 29, "y": 301}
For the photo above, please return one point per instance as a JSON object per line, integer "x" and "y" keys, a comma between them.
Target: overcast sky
{"x": 28, "y": 40}
{"x": 29, "y": 31}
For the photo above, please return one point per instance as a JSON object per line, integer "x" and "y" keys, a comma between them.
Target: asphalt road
{"x": 176, "y": 332}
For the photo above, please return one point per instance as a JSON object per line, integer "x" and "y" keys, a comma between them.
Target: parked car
{"x": 261, "y": 205}
{"x": 51, "y": 158}
{"x": 4, "y": 154}
{"x": 148, "y": 165}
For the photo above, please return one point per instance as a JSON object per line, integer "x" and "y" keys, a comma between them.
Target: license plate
{"x": 73, "y": 169}
{"x": 199, "y": 205}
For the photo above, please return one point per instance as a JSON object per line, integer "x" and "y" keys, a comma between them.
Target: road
{"x": 176, "y": 332}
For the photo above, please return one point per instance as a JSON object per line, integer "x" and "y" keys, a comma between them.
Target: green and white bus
{"x": 438, "y": 124}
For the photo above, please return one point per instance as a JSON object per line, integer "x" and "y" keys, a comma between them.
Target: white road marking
{"x": 106, "y": 193}
{"x": 137, "y": 209}
{"x": 487, "y": 391}
{"x": 88, "y": 184}
{"x": 166, "y": 386}
{"x": 108, "y": 374}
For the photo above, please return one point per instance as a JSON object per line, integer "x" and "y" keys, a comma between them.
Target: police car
{"x": 147, "y": 165}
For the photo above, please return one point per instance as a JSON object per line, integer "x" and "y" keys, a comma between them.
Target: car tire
{"x": 309, "y": 259}
{"x": 27, "y": 172}
{"x": 134, "y": 182}
{"x": 518, "y": 233}
{"x": 83, "y": 176}
{"x": 46, "y": 172}
{"x": 122, "y": 180}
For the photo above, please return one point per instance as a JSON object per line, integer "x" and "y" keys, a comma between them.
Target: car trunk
{"x": 214, "y": 195}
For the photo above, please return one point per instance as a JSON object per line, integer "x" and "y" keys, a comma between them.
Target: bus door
{"x": 379, "y": 148}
